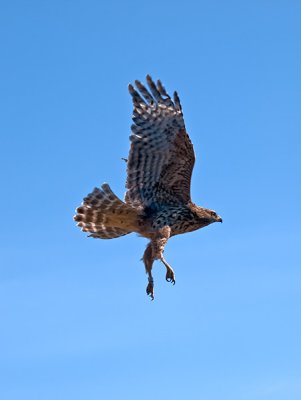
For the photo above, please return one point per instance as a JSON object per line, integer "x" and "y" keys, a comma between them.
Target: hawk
{"x": 157, "y": 203}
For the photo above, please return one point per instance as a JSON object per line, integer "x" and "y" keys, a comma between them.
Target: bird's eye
{"x": 213, "y": 214}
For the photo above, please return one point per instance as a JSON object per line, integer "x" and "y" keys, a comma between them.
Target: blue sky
{"x": 75, "y": 320}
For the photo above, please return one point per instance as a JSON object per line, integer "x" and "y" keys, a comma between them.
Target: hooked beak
{"x": 219, "y": 219}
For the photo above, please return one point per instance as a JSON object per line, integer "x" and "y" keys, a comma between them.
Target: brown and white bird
{"x": 157, "y": 202}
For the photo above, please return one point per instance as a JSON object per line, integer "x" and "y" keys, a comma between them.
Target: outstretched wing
{"x": 161, "y": 156}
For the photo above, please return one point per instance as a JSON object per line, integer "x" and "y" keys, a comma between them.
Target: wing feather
{"x": 161, "y": 157}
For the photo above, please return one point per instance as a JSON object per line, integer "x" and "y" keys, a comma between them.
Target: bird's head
{"x": 208, "y": 216}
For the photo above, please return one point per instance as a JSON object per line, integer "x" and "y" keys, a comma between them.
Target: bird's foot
{"x": 150, "y": 289}
{"x": 170, "y": 276}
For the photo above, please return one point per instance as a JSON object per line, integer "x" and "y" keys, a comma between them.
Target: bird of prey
{"x": 157, "y": 203}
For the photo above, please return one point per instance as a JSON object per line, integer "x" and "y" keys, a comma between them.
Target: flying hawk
{"x": 157, "y": 202}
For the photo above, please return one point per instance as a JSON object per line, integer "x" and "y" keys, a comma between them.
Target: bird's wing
{"x": 161, "y": 156}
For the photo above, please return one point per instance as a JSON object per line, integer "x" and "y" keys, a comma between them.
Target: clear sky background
{"x": 75, "y": 320}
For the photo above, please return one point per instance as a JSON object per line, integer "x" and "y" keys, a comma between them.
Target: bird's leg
{"x": 148, "y": 262}
{"x": 170, "y": 275}
{"x": 158, "y": 244}
{"x": 154, "y": 251}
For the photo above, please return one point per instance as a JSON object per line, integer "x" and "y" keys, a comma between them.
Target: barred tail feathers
{"x": 104, "y": 215}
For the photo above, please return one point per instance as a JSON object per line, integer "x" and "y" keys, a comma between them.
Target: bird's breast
{"x": 179, "y": 219}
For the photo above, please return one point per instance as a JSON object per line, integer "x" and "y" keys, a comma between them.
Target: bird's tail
{"x": 104, "y": 215}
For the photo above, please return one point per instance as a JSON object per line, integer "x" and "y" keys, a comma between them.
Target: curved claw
{"x": 170, "y": 277}
{"x": 150, "y": 290}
